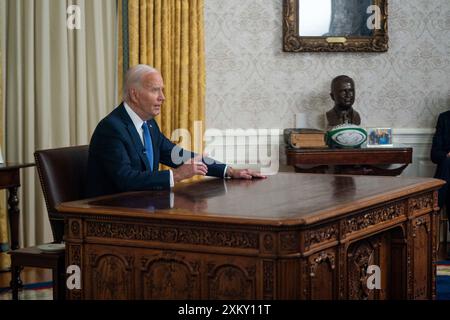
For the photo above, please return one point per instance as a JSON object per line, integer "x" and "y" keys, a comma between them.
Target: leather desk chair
{"x": 62, "y": 173}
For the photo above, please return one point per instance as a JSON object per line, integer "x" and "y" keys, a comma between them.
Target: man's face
{"x": 343, "y": 94}
{"x": 148, "y": 98}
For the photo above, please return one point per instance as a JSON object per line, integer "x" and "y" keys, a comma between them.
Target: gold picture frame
{"x": 293, "y": 41}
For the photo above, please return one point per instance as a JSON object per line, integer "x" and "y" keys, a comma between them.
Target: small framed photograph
{"x": 379, "y": 137}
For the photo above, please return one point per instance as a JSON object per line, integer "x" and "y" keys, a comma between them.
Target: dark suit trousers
{"x": 444, "y": 196}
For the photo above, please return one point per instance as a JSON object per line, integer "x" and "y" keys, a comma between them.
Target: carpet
{"x": 443, "y": 280}
{"x": 33, "y": 291}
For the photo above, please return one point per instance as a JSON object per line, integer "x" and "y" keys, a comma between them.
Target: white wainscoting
{"x": 420, "y": 140}
{"x": 255, "y": 148}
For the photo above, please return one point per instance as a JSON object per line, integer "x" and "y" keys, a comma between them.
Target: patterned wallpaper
{"x": 252, "y": 83}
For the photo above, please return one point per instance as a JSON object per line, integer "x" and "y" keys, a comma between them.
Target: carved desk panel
{"x": 291, "y": 236}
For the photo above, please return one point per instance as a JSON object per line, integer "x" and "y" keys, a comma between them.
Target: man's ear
{"x": 332, "y": 95}
{"x": 133, "y": 94}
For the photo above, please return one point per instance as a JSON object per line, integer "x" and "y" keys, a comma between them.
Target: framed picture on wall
{"x": 379, "y": 137}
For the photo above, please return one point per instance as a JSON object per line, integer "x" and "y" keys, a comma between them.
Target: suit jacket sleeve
{"x": 439, "y": 149}
{"x": 121, "y": 162}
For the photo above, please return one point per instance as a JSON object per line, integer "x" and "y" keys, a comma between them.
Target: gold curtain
{"x": 4, "y": 243}
{"x": 169, "y": 36}
{"x": 58, "y": 84}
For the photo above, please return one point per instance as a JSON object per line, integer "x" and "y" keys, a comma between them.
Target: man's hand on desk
{"x": 243, "y": 174}
{"x": 189, "y": 169}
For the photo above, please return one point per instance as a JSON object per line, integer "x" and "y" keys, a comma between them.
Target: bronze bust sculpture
{"x": 343, "y": 95}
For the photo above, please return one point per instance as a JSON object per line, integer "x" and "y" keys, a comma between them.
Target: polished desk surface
{"x": 282, "y": 199}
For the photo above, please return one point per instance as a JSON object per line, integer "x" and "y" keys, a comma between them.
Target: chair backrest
{"x": 62, "y": 173}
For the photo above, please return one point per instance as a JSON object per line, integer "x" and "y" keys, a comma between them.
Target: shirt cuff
{"x": 225, "y": 171}
{"x": 172, "y": 183}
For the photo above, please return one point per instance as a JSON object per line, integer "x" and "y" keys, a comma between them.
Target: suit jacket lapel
{"x": 139, "y": 147}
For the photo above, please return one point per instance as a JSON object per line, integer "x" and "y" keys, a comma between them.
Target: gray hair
{"x": 133, "y": 78}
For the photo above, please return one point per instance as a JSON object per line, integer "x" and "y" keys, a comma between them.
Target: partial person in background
{"x": 343, "y": 95}
{"x": 440, "y": 155}
{"x": 127, "y": 146}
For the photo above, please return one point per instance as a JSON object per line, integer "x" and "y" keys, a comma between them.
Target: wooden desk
{"x": 366, "y": 161}
{"x": 10, "y": 179}
{"x": 291, "y": 236}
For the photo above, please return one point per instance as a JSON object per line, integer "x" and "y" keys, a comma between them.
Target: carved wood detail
{"x": 435, "y": 200}
{"x": 342, "y": 271}
{"x": 422, "y": 221}
{"x": 228, "y": 281}
{"x": 373, "y": 217}
{"x": 268, "y": 276}
{"x": 305, "y": 279}
{"x": 75, "y": 228}
{"x": 317, "y": 259}
{"x": 289, "y": 241}
{"x": 409, "y": 263}
{"x": 421, "y": 232}
{"x": 112, "y": 275}
{"x": 323, "y": 275}
{"x": 418, "y": 204}
{"x": 170, "y": 277}
{"x": 316, "y": 236}
{"x": 268, "y": 242}
{"x": 217, "y": 238}
{"x": 75, "y": 254}
{"x": 434, "y": 247}
{"x": 360, "y": 256}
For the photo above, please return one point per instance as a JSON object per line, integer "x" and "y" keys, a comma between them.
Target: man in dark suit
{"x": 440, "y": 155}
{"x": 127, "y": 145}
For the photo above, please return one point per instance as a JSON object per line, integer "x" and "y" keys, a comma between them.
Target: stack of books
{"x": 305, "y": 138}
